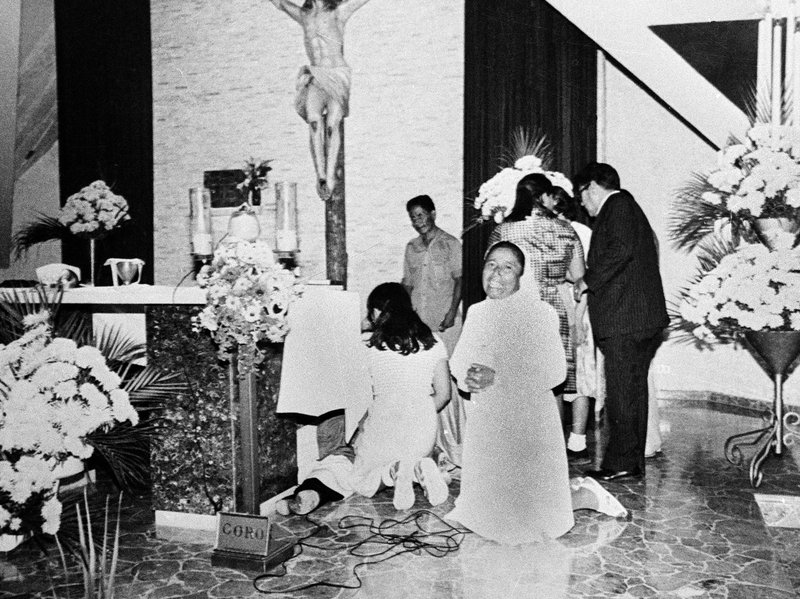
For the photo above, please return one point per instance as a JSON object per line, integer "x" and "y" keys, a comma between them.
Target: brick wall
{"x": 223, "y": 90}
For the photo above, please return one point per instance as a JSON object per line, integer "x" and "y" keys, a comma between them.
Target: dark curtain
{"x": 105, "y": 119}
{"x": 525, "y": 65}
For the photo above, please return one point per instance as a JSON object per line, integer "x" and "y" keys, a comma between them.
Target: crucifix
{"x": 322, "y": 98}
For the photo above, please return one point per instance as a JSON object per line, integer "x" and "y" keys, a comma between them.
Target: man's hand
{"x": 448, "y": 321}
{"x": 478, "y": 378}
{"x": 579, "y": 288}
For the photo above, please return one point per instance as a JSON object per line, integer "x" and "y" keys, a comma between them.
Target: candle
{"x": 286, "y": 217}
{"x": 200, "y": 221}
{"x": 202, "y": 244}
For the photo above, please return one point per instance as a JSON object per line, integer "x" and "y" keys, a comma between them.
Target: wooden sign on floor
{"x": 244, "y": 542}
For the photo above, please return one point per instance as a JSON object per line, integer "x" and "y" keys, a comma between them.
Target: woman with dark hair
{"x": 552, "y": 249}
{"x": 410, "y": 377}
{"x": 515, "y": 485}
{"x": 410, "y": 384}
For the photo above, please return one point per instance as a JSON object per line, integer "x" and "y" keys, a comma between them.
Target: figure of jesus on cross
{"x": 323, "y": 87}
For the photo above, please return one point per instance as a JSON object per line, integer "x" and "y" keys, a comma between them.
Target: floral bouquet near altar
{"x": 53, "y": 396}
{"x": 94, "y": 211}
{"x": 757, "y": 177}
{"x": 750, "y": 289}
{"x": 248, "y": 296}
{"x": 497, "y": 195}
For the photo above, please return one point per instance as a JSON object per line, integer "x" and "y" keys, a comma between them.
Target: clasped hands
{"x": 478, "y": 378}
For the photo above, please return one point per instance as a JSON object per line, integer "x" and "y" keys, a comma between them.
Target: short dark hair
{"x": 529, "y": 195}
{"x": 398, "y": 328}
{"x": 603, "y": 174}
{"x": 424, "y": 201}
{"x": 515, "y": 249}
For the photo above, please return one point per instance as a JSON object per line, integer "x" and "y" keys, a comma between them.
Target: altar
{"x": 198, "y": 466}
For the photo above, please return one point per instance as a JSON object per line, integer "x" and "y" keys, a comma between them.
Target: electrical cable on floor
{"x": 438, "y": 542}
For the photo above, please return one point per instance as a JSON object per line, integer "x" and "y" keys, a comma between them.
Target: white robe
{"x": 514, "y": 480}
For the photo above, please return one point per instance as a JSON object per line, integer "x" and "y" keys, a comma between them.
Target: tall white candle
{"x": 286, "y": 217}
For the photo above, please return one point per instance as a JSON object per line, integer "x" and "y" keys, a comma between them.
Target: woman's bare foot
{"x": 431, "y": 481}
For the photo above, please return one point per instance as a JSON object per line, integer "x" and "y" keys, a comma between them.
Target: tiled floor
{"x": 695, "y": 530}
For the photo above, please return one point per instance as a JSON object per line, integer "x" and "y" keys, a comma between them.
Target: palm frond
{"x": 153, "y": 388}
{"x": 74, "y": 325}
{"x": 711, "y": 251}
{"x": 126, "y": 451}
{"x": 692, "y": 219}
{"x": 16, "y": 304}
{"x": 527, "y": 143}
{"x": 116, "y": 346}
{"x": 42, "y": 228}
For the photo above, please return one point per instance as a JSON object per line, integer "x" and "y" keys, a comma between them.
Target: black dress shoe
{"x": 607, "y": 475}
{"x": 583, "y": 454}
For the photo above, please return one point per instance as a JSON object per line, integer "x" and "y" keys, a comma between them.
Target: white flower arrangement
{"x": 758, "y": 177}
{"x": 94, "y": 211}
{"x": 53, "y": 394}
{"x": 496, "y": 196}
{"x": 248, "y": 297}
{"x": 751, "y": 289}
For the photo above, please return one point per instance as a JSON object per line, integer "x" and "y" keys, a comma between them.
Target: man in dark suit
{"x": 627, "y": 311}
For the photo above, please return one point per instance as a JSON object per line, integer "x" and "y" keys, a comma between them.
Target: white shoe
{"x": 606, "y": 502}
{"x": 431, "y": 480}
{"x": 404, "y": 486}
{"x": 652, "y": 453}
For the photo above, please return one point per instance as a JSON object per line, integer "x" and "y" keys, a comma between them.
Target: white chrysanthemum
{"x": 51, "y": 513}
{"x": 726, "y": 179}
{"x": 793, "y": 197}
{"x": 35, "y": 319}
{"x": 122, "y": 408}
{"x": 711, "y": 197}
{"x": 528, "y": 163}
{"x": 5, "y": 515}
{"x": 51, "y": 374}
{"x": 753, "y": 202}
{"x": 88, "y": 356}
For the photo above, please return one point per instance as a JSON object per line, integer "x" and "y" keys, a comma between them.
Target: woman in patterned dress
{"x": 552, "y": 251}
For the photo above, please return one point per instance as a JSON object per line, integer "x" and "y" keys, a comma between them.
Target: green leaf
{"x": 43, "y": 228}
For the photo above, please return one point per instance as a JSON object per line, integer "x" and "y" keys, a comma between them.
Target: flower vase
{"x": 777, "y": 348}
{"x": 777, "y": 233}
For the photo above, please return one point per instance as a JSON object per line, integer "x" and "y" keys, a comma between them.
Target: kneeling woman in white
{"x": 410, "y": 384}
{"x": 515, "y": 485}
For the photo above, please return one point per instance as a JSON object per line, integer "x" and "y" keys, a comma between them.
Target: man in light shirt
{"x": 432, "y": 277}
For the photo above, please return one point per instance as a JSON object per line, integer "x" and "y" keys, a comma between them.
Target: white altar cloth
{"x": 323, "y": 363}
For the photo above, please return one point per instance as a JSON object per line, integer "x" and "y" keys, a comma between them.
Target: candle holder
{"x": 286, "y": 238}
{"x": 200, "y": 223}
